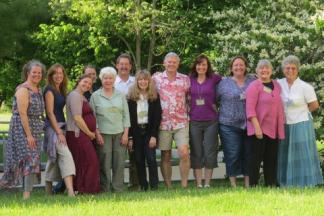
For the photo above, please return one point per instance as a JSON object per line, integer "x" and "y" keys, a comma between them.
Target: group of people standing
{"x": 268, "y": 122}
{"x": 259, "y": 120}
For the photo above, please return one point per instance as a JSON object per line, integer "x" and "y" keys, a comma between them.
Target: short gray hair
{"x": 172, "y": 54}
{"x": 263, "y": 63}
{"x": 29, "y": 66}
{"x": 291, "y": 59}
{"x": 106, "y": 71}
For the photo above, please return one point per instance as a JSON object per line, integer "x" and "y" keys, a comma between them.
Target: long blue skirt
{"x": 298, "y": 162}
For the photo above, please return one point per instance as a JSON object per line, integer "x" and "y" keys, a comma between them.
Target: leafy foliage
{"x": 273, "y": 29}
{"x": 97, "y": 31}
{"x": 18, "y": 18}
{"x": 145, "y": 29}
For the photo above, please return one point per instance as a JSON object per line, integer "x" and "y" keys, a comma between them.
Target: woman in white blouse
{"x": 298, "y": 163}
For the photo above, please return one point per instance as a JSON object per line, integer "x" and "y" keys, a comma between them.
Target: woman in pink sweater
{"x": 265, "y": 125}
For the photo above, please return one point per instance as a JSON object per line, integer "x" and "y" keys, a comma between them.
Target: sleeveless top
{"x": 59, "y": 103}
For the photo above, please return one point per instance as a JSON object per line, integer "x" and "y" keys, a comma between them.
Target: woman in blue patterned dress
{"x": 26, "y": 126}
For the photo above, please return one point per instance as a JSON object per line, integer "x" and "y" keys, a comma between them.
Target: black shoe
{"x": 154, "y": 188}
{"x": 59, "y": 187}
{"x": 144, "y": 189}
{"x": 132, "y": 187}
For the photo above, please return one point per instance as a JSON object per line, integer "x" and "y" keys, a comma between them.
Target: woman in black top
{"x": 60, "y": 164}
{"x": 145, "y": 116}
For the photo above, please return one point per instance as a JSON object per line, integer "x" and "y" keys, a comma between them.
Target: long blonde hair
{"x": 134, "y": 91}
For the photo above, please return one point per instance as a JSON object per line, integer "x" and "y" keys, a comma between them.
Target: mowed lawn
{"x": 219, "y": 200}
{"x": 4, "y": 117}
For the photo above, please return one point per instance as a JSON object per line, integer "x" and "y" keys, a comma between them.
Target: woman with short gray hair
{"x": 298, "y": 162}
{"x": 111, "y": 110}
{"x": 265, "y": 124}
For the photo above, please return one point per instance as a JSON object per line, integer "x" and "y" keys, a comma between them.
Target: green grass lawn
{"x": 220, "y": 200}
{"x": 4, "y": 116}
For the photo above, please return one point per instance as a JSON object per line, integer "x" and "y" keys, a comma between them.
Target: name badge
{"x": 242, "y": 96}
{"x": 113, "y": 109}
{"x": 200, "y": 102}
{"x": 266, "y": 89}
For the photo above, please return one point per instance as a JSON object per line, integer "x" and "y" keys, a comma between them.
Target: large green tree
{"x": 18, "y": 19}
{"x": 99, "y": 30}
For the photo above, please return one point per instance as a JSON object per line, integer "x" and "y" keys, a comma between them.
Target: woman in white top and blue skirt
{"x": 298, "y": 162}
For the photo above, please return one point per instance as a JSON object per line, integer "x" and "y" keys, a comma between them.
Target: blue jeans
{"x": 236, "y": 152}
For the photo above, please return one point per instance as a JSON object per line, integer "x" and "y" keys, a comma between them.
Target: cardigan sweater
{"x": 154, "y": 118}
{"x": 267, "y": 107}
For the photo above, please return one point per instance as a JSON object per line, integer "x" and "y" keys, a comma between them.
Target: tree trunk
{"x": 138, "y": 49}
{"x": 153, "y": 39}
{"x": 138, "y": 40}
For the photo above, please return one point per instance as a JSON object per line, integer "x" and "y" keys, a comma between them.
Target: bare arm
{"x": 22, "y": 97}
{"x": 99, "y": 137}
{"x": 82, "y": 125}
{"x": 49, "y": 104}
{"x": 313, "y": 106}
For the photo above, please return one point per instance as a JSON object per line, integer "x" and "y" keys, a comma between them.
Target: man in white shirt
{"x": 122, "y": 83}
{"x": 123, "y": 79}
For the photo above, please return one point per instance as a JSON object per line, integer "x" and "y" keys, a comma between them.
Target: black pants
{"x": 144, "y": 153}
{"x": 263, "y": 150}
{"x": 133, "y": 179}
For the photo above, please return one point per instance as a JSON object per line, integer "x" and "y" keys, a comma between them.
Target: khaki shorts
{"x": 180, "y": 136}
{"x": 62, "y": 167}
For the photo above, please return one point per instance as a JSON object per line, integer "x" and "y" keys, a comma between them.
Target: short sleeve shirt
{"x": 232, "y": 110}
{"x": 296, "y": 100}
{"x": 74, "y": 104}
{"x": 173, "y": 96}
{"x": 112, "y": 113}
{"x": 122, "y": 86}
